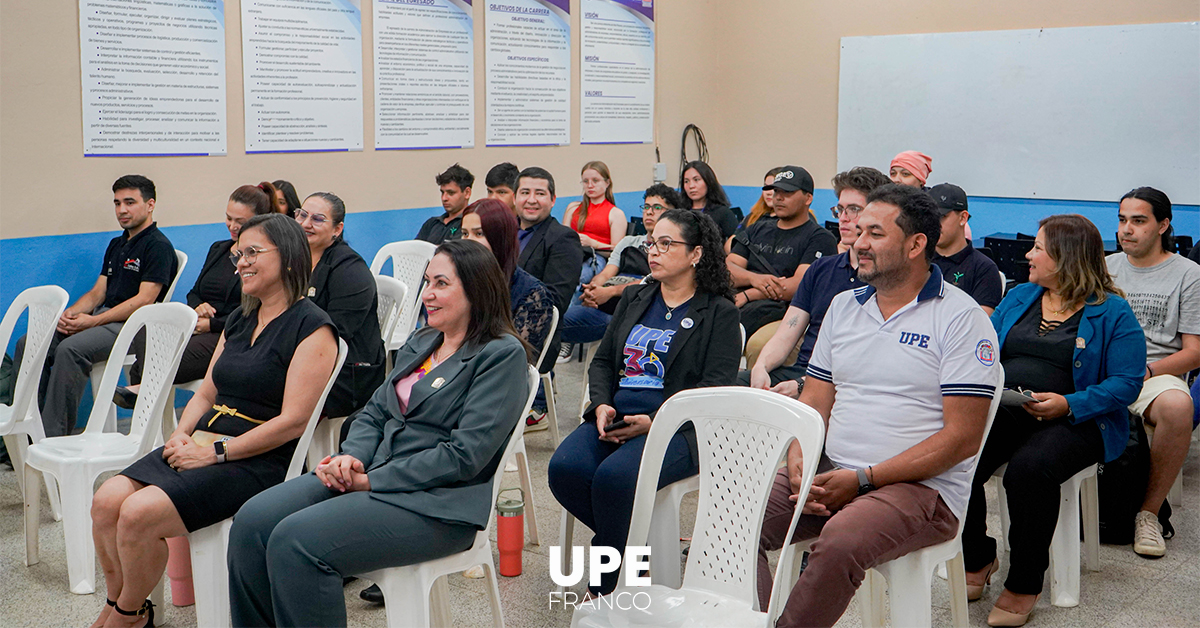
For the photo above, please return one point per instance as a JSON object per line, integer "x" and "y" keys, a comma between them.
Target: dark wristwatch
{"x": 219, "y": 446}
{"x": 864, "y": 484}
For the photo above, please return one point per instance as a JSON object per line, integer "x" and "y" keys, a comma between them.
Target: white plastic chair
{"x": 1080, "y": 489}
{"x": 21, "y": 421}
{"x": 76, "y": 461}
{"x": 548, "y": 382}
{"x": 210, "y": 571}
{"x": 908, "y": 578}
{"x": 127, "y": 360}
{"x": 409, "y": 259}
{"x": 390, "y": 294}
{"x": 743, "y": 435}
{"x": 406, "y": 590}
{"x": 589, "y": 352}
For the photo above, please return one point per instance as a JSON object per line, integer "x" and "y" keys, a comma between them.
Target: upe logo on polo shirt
{"x": 985, "y": 352}
{"x": 913, "y": 338}
{"x": 133, "y": 264}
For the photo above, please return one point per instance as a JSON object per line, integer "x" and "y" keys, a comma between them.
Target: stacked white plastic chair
{"x": 391, "y": 294}
{"x": 743, "y": 435}
{"x": 210, "y": 571}
{"x": 127, "y": 359}
{"x": 76, "y": 461}
{"x": 409, "y": 259}
{"x": 21, "y": 421}
{"x": 407, "y": 589}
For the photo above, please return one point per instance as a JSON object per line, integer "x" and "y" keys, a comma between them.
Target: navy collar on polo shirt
{"x": 934, "y": 287}
{"x": 960, "y": 256}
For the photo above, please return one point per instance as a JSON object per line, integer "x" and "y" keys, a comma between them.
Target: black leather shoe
{"x": 124, "y": 398}
{"x": 372, "y": 594}
{"x": 348, "y": 579}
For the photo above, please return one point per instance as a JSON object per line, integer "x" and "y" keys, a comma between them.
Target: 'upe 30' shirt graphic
{"x": 640, "y": 390}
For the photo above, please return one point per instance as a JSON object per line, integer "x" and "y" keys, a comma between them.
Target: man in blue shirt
{"x": 825, "y": 278}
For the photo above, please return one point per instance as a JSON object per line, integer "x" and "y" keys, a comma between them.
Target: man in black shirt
{"x": 768, "y": 260}
{"x": 139, "y": 266}
{"x": 455, "y": 185}
{"x": 962, "y": 265}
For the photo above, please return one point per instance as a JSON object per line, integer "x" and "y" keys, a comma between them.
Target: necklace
{"x": 1050, "y": 307}
{"x": 671, "y": 310}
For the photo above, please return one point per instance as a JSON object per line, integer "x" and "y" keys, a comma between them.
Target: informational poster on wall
{"x": 302, "y": 75}
{"x": 616, "y": 80}
{"x": 424, "y": 74}
{"x": 153, "y": 77}
{"x": 528, "y": 72}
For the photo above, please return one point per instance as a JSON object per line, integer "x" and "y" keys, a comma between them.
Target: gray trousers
{"x": 68, "y": 366}
{"x": 291, "y": 544}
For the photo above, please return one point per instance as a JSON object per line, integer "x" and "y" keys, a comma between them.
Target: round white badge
{"x": 686, "y": 323}
{"x": 312, "y": 291}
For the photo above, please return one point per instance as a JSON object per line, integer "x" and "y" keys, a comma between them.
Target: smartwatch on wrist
{"x": 864, "y": 483}
{"x": 219, "y": 447}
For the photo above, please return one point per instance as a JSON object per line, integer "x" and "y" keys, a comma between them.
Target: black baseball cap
{"x": 949, "y": 198}
{"x": 792, "y": 178}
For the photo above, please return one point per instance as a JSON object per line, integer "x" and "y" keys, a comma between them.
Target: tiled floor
{"x": 1127, "y": 591}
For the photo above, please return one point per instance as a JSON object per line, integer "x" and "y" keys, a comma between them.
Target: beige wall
{"x": 47, "y": 187}
{"x": 779, "y": 91}
{"x": 758, "y": 76}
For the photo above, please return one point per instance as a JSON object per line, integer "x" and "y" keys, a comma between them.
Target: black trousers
{"x": 192, "y": 366}
{"x": 1041, "y": 455}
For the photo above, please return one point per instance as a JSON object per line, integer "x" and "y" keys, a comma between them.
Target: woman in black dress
{"x": 342, "y": 284}
{"x": 236, "y": 435}
{"x": 216, "y": 294}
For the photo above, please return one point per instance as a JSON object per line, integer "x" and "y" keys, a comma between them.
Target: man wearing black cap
{"x": 963, "y": 266}
{"x": 768, "y": 260}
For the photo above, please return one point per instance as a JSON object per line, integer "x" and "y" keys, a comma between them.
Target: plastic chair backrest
{"x": 742, "y": 328}
{"x": 301, "y": 452}
{"x": 182, "y": 258}
{"x": 46, "y": 305}
{"x": 409, "y": 259}
{"x": 549, "y": 337}
{"x": 392, "y": 295}
{"x": 743, "y": 435}
{"x": 511, "y": 447}
{"x": 168, "y": 327}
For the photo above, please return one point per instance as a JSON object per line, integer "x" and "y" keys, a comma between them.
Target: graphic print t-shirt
{"x": 1165, "y": 298}
{"x": 640, "y": 390}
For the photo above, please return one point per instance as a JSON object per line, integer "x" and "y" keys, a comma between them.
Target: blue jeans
{"x": 584, "y": 324}
{"x": 595, "y": 481}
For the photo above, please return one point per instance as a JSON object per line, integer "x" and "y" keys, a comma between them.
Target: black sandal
{"x": 147, "y": 609}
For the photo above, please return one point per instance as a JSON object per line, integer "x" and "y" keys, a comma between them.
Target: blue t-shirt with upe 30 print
{"x": 640, "y": 390}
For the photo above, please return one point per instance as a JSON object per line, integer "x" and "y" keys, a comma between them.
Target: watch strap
{"x": 864, "y": 483}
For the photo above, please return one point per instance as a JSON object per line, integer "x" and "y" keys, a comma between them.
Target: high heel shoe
{"x": 975, "y": 591}
{"x": 1002, "y": 617}
{"x": 146, "y": 609}
{"x": 124, "y": 398}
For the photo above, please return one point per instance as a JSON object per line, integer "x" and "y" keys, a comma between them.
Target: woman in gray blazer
{"x": 413, "y": 480}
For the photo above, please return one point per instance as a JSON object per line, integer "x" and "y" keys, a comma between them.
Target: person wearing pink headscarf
{"x": 911, "y": 168}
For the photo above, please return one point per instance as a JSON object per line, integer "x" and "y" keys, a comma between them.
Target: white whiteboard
{"x": 1065, "y": 113}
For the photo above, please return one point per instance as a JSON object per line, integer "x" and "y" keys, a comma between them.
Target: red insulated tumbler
{"x": 510, "y": 531}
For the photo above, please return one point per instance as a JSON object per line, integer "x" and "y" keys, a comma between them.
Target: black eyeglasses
{"x": 664, "y": 244}
{"x": 849, "y": 210}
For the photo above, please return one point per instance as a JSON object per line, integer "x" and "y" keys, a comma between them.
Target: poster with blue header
{"x": 528, "y": 72}
{"x": 424, "y": 74}
{"x": 153, "y": 77}
{"x": 302, "y": 75}
{"x": 616, "y": 77}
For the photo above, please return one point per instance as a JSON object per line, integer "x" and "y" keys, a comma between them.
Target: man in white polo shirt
{"x": 903, "y": 372}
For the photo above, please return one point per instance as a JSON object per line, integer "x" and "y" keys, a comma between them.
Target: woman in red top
{"x": 596, "y": 218}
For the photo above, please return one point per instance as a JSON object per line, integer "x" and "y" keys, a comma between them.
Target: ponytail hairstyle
{"x": 259, "y": 198}
{"x": 337, "y": 210}
{"x": 581, "y": 212}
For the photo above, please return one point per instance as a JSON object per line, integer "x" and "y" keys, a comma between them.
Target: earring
{"x": 289, "y": 268}
{"x": 694, "y": 264}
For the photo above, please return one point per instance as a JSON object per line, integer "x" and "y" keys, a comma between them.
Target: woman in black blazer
{"x": 677, "y": 331}
{"x": 343, "y": 286}
{"x": 217, "y": 293}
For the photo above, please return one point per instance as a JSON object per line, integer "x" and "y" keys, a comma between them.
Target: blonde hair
{"x": 760, "y": 208}
{"x": 581, "y": 212}
{"x": 1075, "y": 245}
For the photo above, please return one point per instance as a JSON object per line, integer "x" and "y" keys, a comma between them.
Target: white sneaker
{"x": 536, "y": 421}
{"x": 1147, "y": 535}
{"x": 565, "y": 353}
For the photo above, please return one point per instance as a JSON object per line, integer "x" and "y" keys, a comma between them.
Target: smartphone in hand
{"x": 619, "y": 423}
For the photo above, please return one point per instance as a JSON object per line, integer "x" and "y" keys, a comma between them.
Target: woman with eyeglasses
{"x": 343, "y": 286}
{"x": 677, "y": 331}
{"x": 216, "y": 293}
{"x": 586, "y": 320}
{"x": 236, "y": 435}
